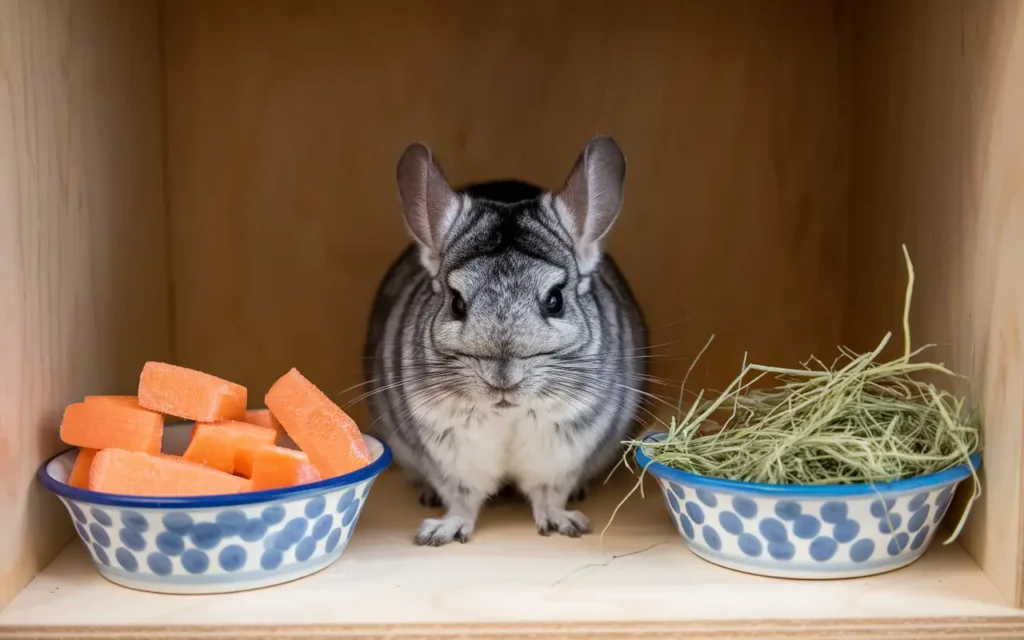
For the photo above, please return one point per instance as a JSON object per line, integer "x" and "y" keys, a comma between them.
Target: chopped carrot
{"x": 216, "y": 443}
{"x": 276, "y": 467}
{"x": 109, "y": 425}
{"x": 243, "y": 459}
{"x": 307, "y": 474}
{"x": 247, "y": 427}
{"x": 263, "y": 418}
{"x": 128, "y": 401}
{"x": 190, "y": 394}
{"x": 140, "y": 474}
{"x": 80, "y": 472}
{"x": 327, "y": 434}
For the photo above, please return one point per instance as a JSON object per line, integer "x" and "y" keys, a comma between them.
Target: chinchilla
{"x": 504, "y": 347}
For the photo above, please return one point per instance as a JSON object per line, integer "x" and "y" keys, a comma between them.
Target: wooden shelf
{"x": 510, "y": 582}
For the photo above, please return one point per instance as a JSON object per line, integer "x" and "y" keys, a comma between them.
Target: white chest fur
{"x": 486, "y": 447}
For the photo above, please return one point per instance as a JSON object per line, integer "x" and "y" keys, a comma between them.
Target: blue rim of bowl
{"x": 207, "y": 502}
{"x": 952, "y": 474}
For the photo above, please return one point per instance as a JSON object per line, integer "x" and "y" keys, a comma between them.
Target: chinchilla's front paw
{"x": 568, "y": 523}
{"x": 436, "y": 532}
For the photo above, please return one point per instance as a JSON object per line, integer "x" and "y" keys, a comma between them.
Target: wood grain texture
{"x": 83, "y": 265}
{"x": 285, "y": 121}
{"x": 639, "y": 581}
{"x": 939, "y": 165}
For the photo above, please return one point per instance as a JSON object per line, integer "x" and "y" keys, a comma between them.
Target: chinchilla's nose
{"x": 503, "y": 374}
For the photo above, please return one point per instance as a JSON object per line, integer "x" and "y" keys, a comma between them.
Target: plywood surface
{"x": 939, "y": 165}
{"x": 83, "y": 271}
{"x": 285, "y": 121}
{"x": 510, "y": 582}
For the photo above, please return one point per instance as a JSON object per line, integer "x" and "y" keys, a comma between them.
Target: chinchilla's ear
{"x": 591, "y": 198}
{"x": 429, "y": 203}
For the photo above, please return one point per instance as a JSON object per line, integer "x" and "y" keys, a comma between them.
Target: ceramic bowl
{"x": 804, "y": 531}
{"x": 215, "y": 544}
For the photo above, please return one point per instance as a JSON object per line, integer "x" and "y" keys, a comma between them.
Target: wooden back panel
{"x": 285, "y": 121}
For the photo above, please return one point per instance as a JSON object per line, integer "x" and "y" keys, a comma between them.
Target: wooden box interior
{"x": 211, "y": 182}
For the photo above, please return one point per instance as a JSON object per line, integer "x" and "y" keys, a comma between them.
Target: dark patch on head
{"x": 503, "y": 191}
{"x": 532, "y": 414}
{"x": 506, "y": 234}
{"x": 507, "y": 219}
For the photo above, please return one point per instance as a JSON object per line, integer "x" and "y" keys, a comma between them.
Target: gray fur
{"x": 506, "y": 389}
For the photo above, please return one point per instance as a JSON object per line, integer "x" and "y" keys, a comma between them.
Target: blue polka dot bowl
{"x": 805, "y": 531}
{"x": 215, "y": 544}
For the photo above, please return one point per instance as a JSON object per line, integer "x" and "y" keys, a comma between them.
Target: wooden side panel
{"x": 939, "y": 165}
{"x": 83, "y": 261}
{"x": 285, "y": 121}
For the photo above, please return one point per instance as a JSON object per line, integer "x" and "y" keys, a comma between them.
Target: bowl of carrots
{"x": 226, "y": 499}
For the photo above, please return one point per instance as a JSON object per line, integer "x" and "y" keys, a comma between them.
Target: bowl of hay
{"x": 807, "y": 531}
{"x": 835, "y": 471}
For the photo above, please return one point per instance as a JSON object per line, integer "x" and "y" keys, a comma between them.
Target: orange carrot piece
{"x": 327, "y": 434}
{"x": 276, "y": 467}
{"x": 190, "y": 394}
{"x": 243, "y": 460}
{"x": 263, "y": 418}
{"x": 128, "y": 401}
{"x": 216, "y": 443}
{"x": 140, "y": 474}
{"x": 80, "y": 472}
{"x": 195, "y": 426}
{"x": 244, "y": 457}
{"x": 109, "y": 425}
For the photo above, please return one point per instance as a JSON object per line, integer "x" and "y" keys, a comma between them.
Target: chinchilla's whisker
{"x": 643, "y": 347}
{"x": 405, "y": 380}
{"x": 647, "y": 394}
{"x": 611, "y": 371}
{"x": 406, "y": 404}
{"x": 356, "y": 386}
{"x": 361, "y": 384}
{"x": 618, "y": 357}
{"x": 402, "y": 383}
{"x": 653, "y": 415}
{"x": 408, "y": 365}
{"x": 569, "y": 395}
{"x": 433, "y": 400}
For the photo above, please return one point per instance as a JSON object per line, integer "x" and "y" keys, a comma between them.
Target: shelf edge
{"x": 889, "y": 628}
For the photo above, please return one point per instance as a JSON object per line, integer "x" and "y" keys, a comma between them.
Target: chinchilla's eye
{"x": 458, "y": 306}
{"x": 554, "y": 304}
